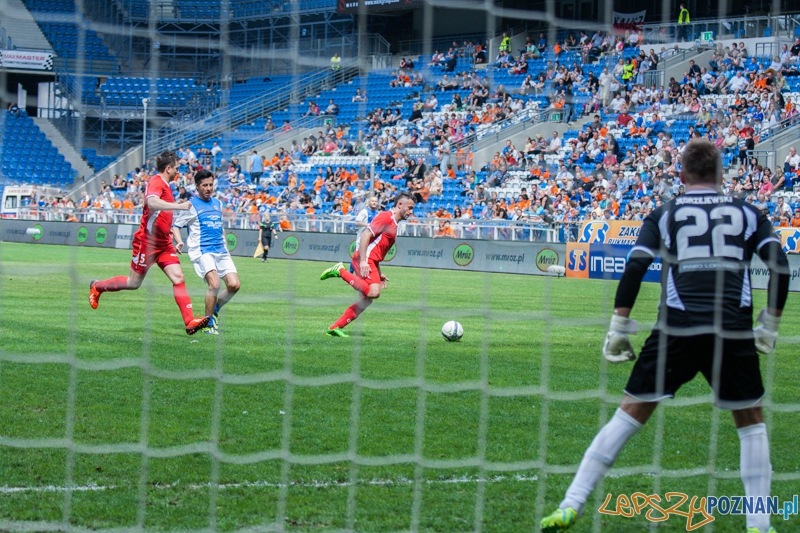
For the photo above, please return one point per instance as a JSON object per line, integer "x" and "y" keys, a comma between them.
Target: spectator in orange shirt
{"x": 285, "y": 224}
{"x": 445, "y": 230}
{"x": 796, "y": 218}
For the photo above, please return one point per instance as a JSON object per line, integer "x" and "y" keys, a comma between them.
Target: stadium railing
{"x": 746, "y": 27}
{"x": 777, "y": 134}
{"x": 225, "y": 119}
{"x": 422, "y": 46}
{"x": 766, "y": 158}
{"x": 491, "y": 229}
{"x": 492, "y": 135}
{"x": 243, "y": 147}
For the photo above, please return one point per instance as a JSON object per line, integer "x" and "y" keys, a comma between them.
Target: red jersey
{"x": 156, "y": 226}
{"x": 384, "y": 233}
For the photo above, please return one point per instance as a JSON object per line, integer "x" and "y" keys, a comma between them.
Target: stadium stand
{"x": 29, "y": 157}
{"x": 619, "y": 158}
{"x": 122, "y": 91}
{"x": 97, "y": 162}
{"x": 209, "y": 10}
{"x": 168, "y": 92}
{"x": 57, "y": 19}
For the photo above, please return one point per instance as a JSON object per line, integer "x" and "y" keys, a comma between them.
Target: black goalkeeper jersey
{"x": 706, "y": 241}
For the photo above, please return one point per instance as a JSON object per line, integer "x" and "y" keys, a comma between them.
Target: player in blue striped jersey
{"x": 206, "y": 246}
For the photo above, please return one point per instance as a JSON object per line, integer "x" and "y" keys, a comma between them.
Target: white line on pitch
{"x": 268, "y": 484}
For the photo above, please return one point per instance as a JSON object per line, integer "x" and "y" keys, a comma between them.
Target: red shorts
{"x": 374, "y": 271}
{"x": 146, "y": 255}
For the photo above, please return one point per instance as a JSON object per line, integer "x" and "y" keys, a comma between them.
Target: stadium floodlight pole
{"x": 145, "y": 101}
{"x": 372, "y": 160}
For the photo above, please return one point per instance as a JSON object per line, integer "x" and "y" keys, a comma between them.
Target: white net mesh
{"x": 114, "y": 422}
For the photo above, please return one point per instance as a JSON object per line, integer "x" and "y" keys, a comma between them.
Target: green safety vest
{"x": 683, "y": 16}
{"x": 505, "y": 44}
{"x": 335, "y": 63}
{"x": 627, "y": 71}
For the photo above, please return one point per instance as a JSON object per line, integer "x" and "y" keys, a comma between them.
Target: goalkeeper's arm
{"x": 617, "y": 347}
{"x": 766, "y": 334}
{"x": 631, "y": 281}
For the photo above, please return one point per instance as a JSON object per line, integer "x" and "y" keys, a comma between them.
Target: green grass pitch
{"x": 138, "y": 381}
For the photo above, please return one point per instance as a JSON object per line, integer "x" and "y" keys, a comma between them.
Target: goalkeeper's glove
{"x": 617, "y": 347}
{"x": 766, "y": 334}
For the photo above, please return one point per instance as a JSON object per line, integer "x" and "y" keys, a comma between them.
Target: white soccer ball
{"x": 452, "y": 331}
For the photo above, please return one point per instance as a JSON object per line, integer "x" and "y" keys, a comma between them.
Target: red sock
{"x": 120, "y": 283}
{"x": 183, "y": 301}
{"x": 357, "y": 283}
{"x": 351, "y": 313}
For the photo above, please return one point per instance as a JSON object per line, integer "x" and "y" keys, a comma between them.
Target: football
{"x": 452, "y": 331}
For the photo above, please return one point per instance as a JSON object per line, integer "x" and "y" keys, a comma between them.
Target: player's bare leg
{"x": 118, "y": 283}
{"x": 175, "y": 275}
{"x": 231, "y": 288}
{"x": 214, "y": 299}
{"x": 598, "y": 460}
{"x": 212, "y": 292}
{"x": 637, "y": 409}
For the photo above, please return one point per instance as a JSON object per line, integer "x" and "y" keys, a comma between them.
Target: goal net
{"x": 115, "y": 420}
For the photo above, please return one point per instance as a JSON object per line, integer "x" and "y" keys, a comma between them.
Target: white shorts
{"x": 222, "y": 263}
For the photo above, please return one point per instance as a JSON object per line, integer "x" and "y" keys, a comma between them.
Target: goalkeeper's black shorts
{"x": 736, "y": 382}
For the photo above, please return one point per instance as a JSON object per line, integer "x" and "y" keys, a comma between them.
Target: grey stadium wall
{"x": 452, "y": 254}
{"x": 418, "y": 252}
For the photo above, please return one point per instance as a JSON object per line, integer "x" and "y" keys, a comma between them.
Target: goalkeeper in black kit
{"x": 705, "y": 324}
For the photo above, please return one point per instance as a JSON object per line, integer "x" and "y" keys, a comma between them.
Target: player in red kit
{"x": 373, "y": 245}
{"x": 152, "y": 244}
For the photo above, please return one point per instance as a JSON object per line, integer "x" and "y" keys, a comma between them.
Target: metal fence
{"x": 746, "y": 27}
{"x": 229, "y": 118}
{"x": 766, "y": 158}
{"x": 498, "y": 230}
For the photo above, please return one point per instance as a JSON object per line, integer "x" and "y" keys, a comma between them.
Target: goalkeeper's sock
{"x": 119, "y": 283}
{"x": 599, "y": 458}
{"x": 351, "y": 313}
{"x": 356, "y": 282}
{"x": 183, "y": 301}
{"x": 755, "y": 469}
